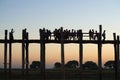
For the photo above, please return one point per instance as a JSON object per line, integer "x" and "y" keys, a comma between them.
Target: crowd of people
{"x": 24, "y": 34}
{"x": 95, "y": 35}
{"x": 69, "y": 34}
{"x": 66, "y": 34}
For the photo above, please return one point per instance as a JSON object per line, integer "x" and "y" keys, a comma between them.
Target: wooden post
{"x": 5, "y": 52}
{"x": 10, "y": 55}
{"x": 100, "y": 53}
{"x": 81, "y": 50}
{"x": 81, "y": 53}
{"x": 62, "y": 54}
{"x": 27, "y": 54}
{"x": 42, "y": 56}
{"x": 43, "y": 61}
{"x": 117, "y": 58}
{"x": 116, "y": 49}
{"x": 23, "y": 53}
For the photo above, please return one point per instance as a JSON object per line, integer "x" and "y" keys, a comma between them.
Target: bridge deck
{"x": 59, "y": 41}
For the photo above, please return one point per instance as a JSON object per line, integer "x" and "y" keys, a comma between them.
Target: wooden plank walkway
{"x": 59, "y": 41}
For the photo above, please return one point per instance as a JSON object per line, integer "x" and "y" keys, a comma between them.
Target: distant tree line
{"x": 73, "y": 64}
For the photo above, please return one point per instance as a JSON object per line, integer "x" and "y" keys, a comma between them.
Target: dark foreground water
{"x": 57, "y": 75}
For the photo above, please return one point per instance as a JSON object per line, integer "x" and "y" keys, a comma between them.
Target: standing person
{"x": 96, "y": 35}
{"x": 90, "y": 34}
{"x": 104, "y": 35}
{"x": 24, "y": 34}
{"x": 11, "y": 34}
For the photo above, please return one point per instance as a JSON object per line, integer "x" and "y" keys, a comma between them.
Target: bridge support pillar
{"x": 42, "y": 56}
{"x": 80, "y": 53}
{"x": 100, "y": 53}
{"x": 10, "y": 56}
{"x": 42, "y": 68}
{"x": 62, "y": 55}
{"x": 116, "y": 49}
{"x": 5, "y": 53}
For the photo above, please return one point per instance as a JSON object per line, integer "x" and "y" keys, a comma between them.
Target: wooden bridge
{"x": 59, "y": 41}
{"x": 42, "y": 41}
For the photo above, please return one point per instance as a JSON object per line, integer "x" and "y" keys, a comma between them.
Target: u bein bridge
{"x": 59, "y": 36}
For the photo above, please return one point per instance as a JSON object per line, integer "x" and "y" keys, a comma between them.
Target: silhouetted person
{"x": 24, "y": 34}
{"x": 11, "y": 34}
{"x": 96, "y": 35}
{"x": 49, "y": 34}
{"x": 73, "y": 34}
{"x": 104, "y": 35}
{"x": 55, "y": 34}
{"x": 90, "y": 34}
{"x": 78, "y": 34}
{"x": 41, "y": 34}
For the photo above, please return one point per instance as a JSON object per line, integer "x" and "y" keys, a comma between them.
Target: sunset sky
{"x": 51, "y": 14}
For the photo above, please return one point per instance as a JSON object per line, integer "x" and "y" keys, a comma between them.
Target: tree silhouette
{"x": 71, "y": 64}
{"x": 90, "y": 65}
{"x": 110, "y": 64}
{"x": 57, "y": 65}
{"x": 35, "y": 65}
